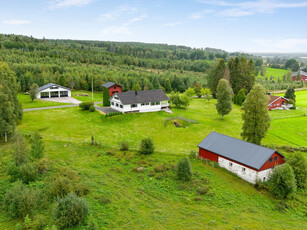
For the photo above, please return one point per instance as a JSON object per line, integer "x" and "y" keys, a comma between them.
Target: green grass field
{"x": 97, "y": 96}
{"x": 27, "y": 103}
{"x": 275, "y": 73}
{"x": 123, "y": 197}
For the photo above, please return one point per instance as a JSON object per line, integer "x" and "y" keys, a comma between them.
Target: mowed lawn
{"x": 28, "y": 103}
{"x": 79, "y": 126}
{"x": 87, "y": 96}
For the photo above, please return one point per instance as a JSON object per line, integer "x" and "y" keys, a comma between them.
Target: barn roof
{"x": 246, "y": 153}
{"x": 275, "y": 98}
{"x": 49, "y": 85}
{"x": 109, "y": 84}
{"x": 302, "y": 73}
{"x": 133, "y": 97}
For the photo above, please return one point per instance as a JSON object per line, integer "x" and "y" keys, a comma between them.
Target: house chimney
{"x": 136, "y": 92}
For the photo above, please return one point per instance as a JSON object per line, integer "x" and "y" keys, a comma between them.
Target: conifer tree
{"x": 10, "y": 107}
{"x": 184, "y": 170}
{"x": 255, "y": 116}
{"x": 168, "y": 86}
{"x": 224, "y": 98}
{"x": 106, "y": 97}
{"x": 215, "y": 75}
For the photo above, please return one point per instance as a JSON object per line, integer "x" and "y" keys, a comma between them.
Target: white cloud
{"x": 118, "y": 12}
{"x": 57, "y": 4}
{"x": 200, "y": 14}
{"x": 282, "y": 45}
{"x": 173, "y": 24}
{"x": 246, "y": 8}
{"x": 16, "y": 22}
{"x": 125, "y": 16}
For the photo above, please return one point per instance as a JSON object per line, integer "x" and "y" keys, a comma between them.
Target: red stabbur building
{"x": 113, "y": 88}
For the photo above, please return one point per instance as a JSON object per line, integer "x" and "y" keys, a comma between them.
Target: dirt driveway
{"x": 69, "y": 100}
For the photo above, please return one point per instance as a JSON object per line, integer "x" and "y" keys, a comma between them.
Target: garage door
{"x": 63, "y": 93}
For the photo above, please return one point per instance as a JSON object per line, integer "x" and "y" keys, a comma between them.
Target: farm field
{"x": 275, "y": 73}
{"x": 301, "y": 98}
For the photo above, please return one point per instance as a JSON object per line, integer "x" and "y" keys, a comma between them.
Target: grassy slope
{"x": 27, "y": 103}
{"x": 158, "y": 201}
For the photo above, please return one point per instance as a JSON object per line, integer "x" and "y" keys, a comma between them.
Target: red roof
{"x": 275, "y": 98}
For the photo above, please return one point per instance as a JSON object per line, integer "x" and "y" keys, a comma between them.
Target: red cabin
{"x": 113, "y": 88}
{"x": 276, "y": 101}
{"x": 303, "y": 76}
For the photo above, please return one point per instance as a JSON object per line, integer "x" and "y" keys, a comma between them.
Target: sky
{"x": 234, "y": 25}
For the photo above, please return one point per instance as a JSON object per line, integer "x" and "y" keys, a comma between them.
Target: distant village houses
{"x": 302, "y": 78}
{"x": 249, "y": 161}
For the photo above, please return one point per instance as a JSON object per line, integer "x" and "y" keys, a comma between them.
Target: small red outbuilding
{"x": 113, "y": 88}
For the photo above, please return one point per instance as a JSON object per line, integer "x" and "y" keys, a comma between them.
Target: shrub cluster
{"x": 124, "y": 146}
{"x": 70, "y": 211}
{"x": 86, "y": 105}
{"x": 113, "y": 114}
{"x": 147, "y": 146}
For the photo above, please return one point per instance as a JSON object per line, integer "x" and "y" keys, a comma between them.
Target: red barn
{"x": 276, "y": 102}
{"x": 303, "y": 76}
{"x": 249, "y": 161}
{"x": 113, "y": 88}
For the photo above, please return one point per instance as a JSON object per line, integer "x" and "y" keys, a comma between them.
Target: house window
{"x": 134, "y": 105}
{"x": 143, "y": 104}
{"x": 271, "y": 159}
{"x": 155, "y": 103}
{"x": 243, "y": 169}
{"x": 114, "y": 87}
{"x": 263, "y": 178}
{"x": 275, "y": 158}
{"x": 115, "y": 97}
{"x": 112, "y": 103}
{"x": 121, "y": 106}
{"x": 230, "y": 164}
{"x": 54, "y": 87}
{"x": 117, "y": 105}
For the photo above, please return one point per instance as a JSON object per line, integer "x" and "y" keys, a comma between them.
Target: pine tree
{"x": 136, "y": 87}
{"x": 290, "y": 94}
{"x": 255, "y": 116}
{"x": 215, "y": 75}
{"x": 10, "y": 107}
{"x": 168, "y": 87}
{"x": 33, "y": 91}
{"x": 224, "y": 98}
{"x": 106, "y": 97}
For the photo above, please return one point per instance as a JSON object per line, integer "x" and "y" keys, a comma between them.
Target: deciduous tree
{"x": 255, "y": 116}
{"x": 224, "y": 98}
{"x": 33, "y": 91}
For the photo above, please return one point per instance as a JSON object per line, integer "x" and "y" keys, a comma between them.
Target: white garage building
{"x": 53, "y": 90}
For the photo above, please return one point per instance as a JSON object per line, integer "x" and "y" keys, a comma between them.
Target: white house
{"x": 249, "y": 161}
{"x": 53, "y": 90}
{"x": 139, "y": 101}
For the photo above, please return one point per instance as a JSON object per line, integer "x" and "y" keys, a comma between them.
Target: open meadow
{"x": 130, "y": 191}
{"x": 275, "y": 73}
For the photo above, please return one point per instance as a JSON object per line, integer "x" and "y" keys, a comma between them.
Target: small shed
{"x": 249, "y": 161}
{"x": 113, "y": 88}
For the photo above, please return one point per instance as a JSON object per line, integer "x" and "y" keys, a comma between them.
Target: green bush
{"x": 113, "y": 114}
{"x": 86, "y": 105}
{"x": 282, "y": 182}
{"x": 61, "y": 186}
{"x": 147, "y": 146}
{"x": 92, "y": 109}
{"x": 202, "y": 190}
{"x": 13, "y": 171}
{"x": 20, "y": 201}
{"x": 184, "y": 170}
{"x": 70, "y": 211}
{"x": 124, "y": 146}
{"x": 28, "y": 172}
{"x": 299, "y": 165}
